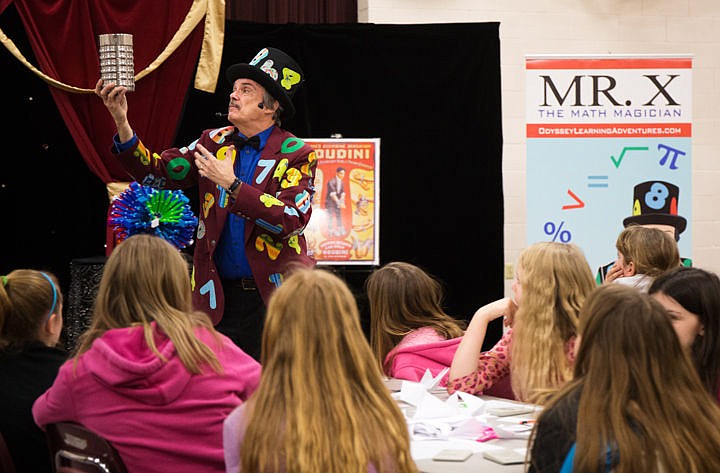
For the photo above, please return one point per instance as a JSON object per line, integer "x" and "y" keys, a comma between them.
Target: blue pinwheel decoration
{"x": 145, "y": 209}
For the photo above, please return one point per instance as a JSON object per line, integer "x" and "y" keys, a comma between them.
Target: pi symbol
{"x": 670, "y": 153}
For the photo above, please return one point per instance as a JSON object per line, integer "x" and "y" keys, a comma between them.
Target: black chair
{"x": 75, "y": 449}
{"x": 6, "y": 461}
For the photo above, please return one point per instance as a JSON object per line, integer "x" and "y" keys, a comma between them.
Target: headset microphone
{"x": 220, "y": 115}
{"x": 261, "y": 105}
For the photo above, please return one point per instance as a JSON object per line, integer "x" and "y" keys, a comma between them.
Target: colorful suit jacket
{"x": 275, "y": 205}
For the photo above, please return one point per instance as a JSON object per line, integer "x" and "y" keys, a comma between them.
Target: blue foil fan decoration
{"x": 145, "y": 209}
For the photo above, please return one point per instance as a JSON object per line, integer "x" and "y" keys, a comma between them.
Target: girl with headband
{"x": 30, "y": 326}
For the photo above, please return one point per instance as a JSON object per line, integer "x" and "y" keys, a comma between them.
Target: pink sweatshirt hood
{"x": 410, "y": 362}
{"x": 121, "y": 359}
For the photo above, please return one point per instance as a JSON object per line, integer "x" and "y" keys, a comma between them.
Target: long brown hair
{"x": 556, "y": 278}
{"x": 146, "y": 280}
{"x": 403, "y": 298}
{"x": 640, "y": 394}
{"x": 321, "y": 404}
{"x": 27, "y": 299}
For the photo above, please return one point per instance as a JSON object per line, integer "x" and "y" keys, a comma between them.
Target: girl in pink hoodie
{"x": 151, "y": 375}
{"x": 410, "y": 331}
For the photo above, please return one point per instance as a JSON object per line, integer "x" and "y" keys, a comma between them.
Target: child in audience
{"x": 643, "y": 254}
{"x": 30, "y": 325}
{"x": 635, "y": 404}
{"x": 692, "y": 298}
{"x": 551, "y": 283}
{"x": 410, "y": 331}
{"x": 151, "y": 375}
{"x": 321, "y": 405}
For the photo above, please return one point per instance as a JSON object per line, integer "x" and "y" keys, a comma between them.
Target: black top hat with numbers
{"x": 276, "y": 71}
{"x": 656, "y": 202}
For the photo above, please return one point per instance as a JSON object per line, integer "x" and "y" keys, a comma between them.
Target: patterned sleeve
{"x": 174, "y": 168}
{"x": 493, "y": 365}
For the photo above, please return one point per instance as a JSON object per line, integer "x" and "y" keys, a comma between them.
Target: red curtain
{"x": 63, "y": 36}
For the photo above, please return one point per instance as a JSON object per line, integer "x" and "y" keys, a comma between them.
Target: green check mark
{"x": 627, "y": 148}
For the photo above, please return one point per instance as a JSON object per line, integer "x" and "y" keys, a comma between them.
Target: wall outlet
{"x": 509, "y": 271}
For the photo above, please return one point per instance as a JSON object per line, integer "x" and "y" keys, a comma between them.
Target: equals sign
{"x": 596, "y": 181}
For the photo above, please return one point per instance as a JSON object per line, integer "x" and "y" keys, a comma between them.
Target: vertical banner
{"x": 344, "y": 228}
{"x": 608, "y": 145}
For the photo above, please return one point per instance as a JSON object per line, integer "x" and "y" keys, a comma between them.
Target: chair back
{"x": 6, "y": 461}
{"x": 75, "y": 449}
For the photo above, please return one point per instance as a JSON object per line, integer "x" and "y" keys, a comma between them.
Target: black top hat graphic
{"x": 656, "y": 202}
{"x": 276, "y": 71}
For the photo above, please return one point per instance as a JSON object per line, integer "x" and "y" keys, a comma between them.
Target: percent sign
{"x": 555, "y": 231}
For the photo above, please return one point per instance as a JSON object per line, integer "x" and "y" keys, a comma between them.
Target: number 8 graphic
{"x": 656, "y": 196}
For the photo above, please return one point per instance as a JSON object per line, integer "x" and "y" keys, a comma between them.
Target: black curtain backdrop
{"x": 296, "y": 11}
{"x": 431, "y": 93}
{"x": 53, "y": 207}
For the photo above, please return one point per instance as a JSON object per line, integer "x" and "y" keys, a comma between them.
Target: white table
{"x": 424, "y": 450}
{"x": 476, "y": 463}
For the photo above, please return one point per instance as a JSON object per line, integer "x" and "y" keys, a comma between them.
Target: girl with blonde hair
{"x": 150, "y": 374}
{"x": 321, "y": 404}
{"x": 409, "y": 330}
{"x": 551, "y": 283}
{"x": 30, "y": 326}
{"x": 635, "y": 404}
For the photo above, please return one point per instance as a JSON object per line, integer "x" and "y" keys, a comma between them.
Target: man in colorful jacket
{"x": 255, "y": 183}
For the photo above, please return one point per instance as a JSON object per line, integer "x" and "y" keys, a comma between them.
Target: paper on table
{"x": 471, "y": 405}
{"x": 434, "y": 418}
{"x": 411, "y": 393}
{"x": 428, "y": 406}
{"x": 510, "y": 431}
{"x": 429, "y": 381}
{"x": 431, "y": 407}
{"x": 515, "y": 426}
{"x": 470, "y": 429}
{"x": 501, "y": 408}
{"x": 461, "y": 415}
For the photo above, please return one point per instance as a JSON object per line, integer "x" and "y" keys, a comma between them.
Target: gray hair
{"x": 269, "y": 102}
